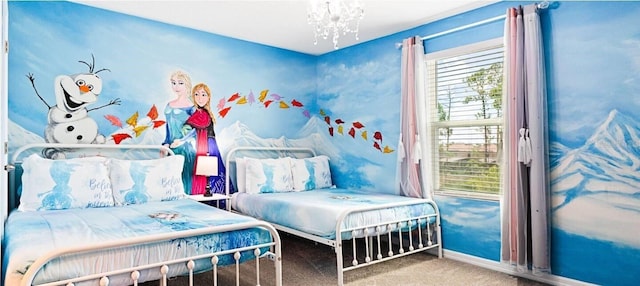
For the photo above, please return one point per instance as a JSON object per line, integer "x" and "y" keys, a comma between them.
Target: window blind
{"x": 468, "y": 102}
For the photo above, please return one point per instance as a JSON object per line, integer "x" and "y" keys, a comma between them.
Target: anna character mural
{"x": 201, "y": 123}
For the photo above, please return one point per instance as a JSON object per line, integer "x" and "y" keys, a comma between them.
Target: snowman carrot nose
{"x": 84, "y": 88}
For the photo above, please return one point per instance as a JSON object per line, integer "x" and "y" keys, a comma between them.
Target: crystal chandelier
{"x": 332, "y": 17}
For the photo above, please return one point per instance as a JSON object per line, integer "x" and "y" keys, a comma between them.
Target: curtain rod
{"x": 541, "y": 5}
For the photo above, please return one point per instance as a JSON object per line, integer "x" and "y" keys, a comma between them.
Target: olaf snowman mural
{"x": 68, "y": 120}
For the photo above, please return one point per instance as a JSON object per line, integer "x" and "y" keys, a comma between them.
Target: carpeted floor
{"x": 308, "y": 263}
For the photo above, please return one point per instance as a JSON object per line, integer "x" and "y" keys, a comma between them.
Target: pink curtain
{"x": 409, "y": 146}
{"x": 525, "y": 203}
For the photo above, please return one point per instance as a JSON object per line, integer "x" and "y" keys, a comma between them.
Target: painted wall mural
{"x": 69, "y": 121}
{"x": 267, "y": 96}
{"x": 593, "y": 71}
{"x": 595, "y": 149}
{"x": 266, "y": 90}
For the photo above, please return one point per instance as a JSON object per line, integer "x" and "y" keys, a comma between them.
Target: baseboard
{"x": 497, "y": 266}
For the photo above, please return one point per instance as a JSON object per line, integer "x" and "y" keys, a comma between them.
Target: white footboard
{"x": 370, "y": 244}
{"x": 379, "y": 242}
{"x": 163, "y": 267}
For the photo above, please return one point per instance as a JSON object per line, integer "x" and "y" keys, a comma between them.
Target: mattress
{"x": 30, "y": 234}
{"x": 317, "y": 211}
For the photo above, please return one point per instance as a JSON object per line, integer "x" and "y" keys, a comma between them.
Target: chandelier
{"x": 333, "y": 17}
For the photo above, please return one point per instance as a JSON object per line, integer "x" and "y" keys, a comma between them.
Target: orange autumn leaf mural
{"x": 136, "y": 126}
{"x": 334, "y": 128}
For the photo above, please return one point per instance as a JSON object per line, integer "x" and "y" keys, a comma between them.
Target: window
{"x": 465, "y": 91}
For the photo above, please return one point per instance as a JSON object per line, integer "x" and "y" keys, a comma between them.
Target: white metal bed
{"x": 358, "y": 245}
{"x": 269, "y": 249}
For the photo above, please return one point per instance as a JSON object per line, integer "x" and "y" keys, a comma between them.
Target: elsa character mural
{"x": 176, "y": 112}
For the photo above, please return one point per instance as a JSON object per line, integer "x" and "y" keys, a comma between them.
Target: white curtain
{"x": 411, "y": 149}
{"x": 525, "y": 203}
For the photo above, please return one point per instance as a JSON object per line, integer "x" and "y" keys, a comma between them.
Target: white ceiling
{"x": 283, "y": 23}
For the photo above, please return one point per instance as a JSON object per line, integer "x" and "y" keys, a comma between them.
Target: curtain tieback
{"x": 401, "y": 151}
{"x": 524, "y": 147}
{"x": 417, "y": 150}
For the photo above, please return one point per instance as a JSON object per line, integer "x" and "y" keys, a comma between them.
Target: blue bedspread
{"x": 30, "y": 234}
{"x": 317, "y": 211}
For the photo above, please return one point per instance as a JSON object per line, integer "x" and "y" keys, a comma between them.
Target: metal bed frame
{"x": 274, "y": 254}
{"x": 406, "y": 236}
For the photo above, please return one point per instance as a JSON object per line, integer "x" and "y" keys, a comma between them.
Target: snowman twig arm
{"x": 33, "y": 83}
{"x": 111, "y": 102}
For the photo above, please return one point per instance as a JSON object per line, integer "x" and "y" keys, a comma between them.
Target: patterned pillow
{"x": 311, "y": 173}
{"x": 65, "y": 183}
{"x": 268, "y": 175}
{"x": 141, "y": 181}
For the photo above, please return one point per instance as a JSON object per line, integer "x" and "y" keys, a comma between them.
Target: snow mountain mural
{"x": 601, "y": 177}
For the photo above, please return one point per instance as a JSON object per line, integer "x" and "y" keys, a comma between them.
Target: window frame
{"x": 434, "y": 124}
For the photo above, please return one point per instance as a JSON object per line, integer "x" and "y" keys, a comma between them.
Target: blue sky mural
{"x": 595, "y": 72}
{"x": 365, "y": 91}
{"x": 141, "y": 55}
{"x": 271, "y": 92}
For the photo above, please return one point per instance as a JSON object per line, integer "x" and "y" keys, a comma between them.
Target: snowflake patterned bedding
{"x": 31, "y": 234}
{"x": 317, "y": 211}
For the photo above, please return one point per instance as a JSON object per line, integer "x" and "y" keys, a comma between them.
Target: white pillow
{"x": 141, "y": 181}
{"x": 268, "y": 175}
{"x": 311, "y": 173}
{"x": 65, "y": 183}
{"x": 241, "y": 174}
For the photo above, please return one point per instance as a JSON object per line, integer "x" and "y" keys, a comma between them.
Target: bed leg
{"x": 135, "y": 275}
{"x": 214, "y": 262}
{"x": 420, "y": 245}
{"x": 163, "y": 270}
{"x": 256, "y": 252}
{"x": 370, "y": 249}
{"x": 401, "y": 247}
{"x": 236, "y": 256}
{"x": 439, "y": 241}
{"x": 339, "y": 263}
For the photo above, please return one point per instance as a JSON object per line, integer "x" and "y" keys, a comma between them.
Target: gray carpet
{"x": 308, "y": 263}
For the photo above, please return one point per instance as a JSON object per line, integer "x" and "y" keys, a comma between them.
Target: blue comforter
{"x": 31, "y": 234}
{"x": 317, "y": 211}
